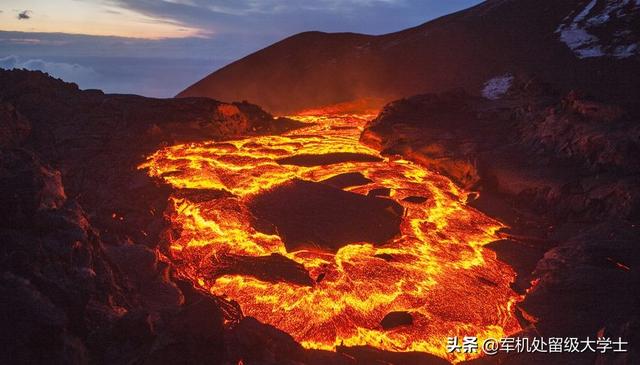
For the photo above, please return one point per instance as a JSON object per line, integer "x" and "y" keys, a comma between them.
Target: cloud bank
{"x": 66, "y": 71}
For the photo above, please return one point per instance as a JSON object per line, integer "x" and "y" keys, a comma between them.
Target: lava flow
{"x": 436, "y": 269}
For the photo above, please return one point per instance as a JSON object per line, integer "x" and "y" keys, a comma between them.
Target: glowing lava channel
{"x": 439, "y": 271}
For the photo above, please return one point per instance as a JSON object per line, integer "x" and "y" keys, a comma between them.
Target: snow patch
{"x": 577, "y": 31}
{"x": 496, "y": 87}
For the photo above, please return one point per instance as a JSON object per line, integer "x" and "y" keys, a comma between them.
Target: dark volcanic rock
{"x": 346, "y": 180}
{"x": 539, "y": 148}
{"x": 435, "y": 130}
{"x": 396, "y": 319}
{"x": 130, "y": 337}
{"x": 58, "y": 286}
{"x": 308, "y": 214}
{"x": 147, "y": 275}
{"x": 586, "y": 287}
{"x": 563, "y": 173}
{"x": 327, "y": 159}
{"x": 416, "y": 199}
{"x": 28, "y": 187}
{"x": 195, "y": 335}
{"x": 97, "y": 141}
{"x": 88, "y": 286}
{"x": 522, "y": 257}
{"x": 273, "y": 268}
{"x": 588, "y": 281}
{"x": 379, "y": 192}
{"x": 31, "y": 320}
{"x": 384, "y": 256}
{"x": 364, "y": 355}
{"x": 260, "y": 344}
{"x": 14, "y": 127}
{"x": 253, "y": 336}
{"x": 201, "y": 195}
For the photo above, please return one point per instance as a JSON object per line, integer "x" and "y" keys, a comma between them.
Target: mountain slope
{"x": 570, "y": 43}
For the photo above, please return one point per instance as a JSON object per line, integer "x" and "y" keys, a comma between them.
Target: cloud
{"x": 24, "y": 15}
{"x": 248, "y": 7}
{"x": 61, "y": 46}
{"x": 147, "y": 72}
{"x": 280, "y": 18}
{"x": 72, "y": 72}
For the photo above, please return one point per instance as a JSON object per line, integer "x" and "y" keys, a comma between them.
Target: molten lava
{"x": 436, "y": 270}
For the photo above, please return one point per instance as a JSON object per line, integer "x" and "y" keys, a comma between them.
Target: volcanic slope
{"x": 587, "y": 45}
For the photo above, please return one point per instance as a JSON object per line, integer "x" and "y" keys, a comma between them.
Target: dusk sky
{"x": 159, "y": 47}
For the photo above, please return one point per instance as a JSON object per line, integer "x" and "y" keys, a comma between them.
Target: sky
{"x": 159, "y": 47}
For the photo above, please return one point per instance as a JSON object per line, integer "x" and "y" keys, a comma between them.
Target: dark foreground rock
{"x": 396, "y": 319}
{"x": 308, "y": 214}
{"x": 346, "y": 180}
{"x": 364, "y": 355}
{"x": 58, "y": 286}
{"x": 97, "y": 141}
{"x": 82, "y": 276}
{"x": 273, "y": 268}
{"x": 327, "y": 159}
{"x": 570, "y": 157}
{"x": 563, "y": 173}
{"x": 262, "y": 344}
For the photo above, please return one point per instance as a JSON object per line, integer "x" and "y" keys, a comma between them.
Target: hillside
{"x": 574, "y": 44}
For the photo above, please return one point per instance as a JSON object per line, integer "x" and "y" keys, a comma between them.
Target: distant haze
{"x": 157, "y": 48}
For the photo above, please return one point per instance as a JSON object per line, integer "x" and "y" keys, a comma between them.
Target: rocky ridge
{"x": 83, "y": 275}
{"x": 562, "y": 172}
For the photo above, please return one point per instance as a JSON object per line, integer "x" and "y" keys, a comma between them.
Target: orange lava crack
{"x": 440, "y": 272}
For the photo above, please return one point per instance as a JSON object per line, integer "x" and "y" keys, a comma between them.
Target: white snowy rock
{"x": 613, "y": 18}
{"x": 496, "y": 87}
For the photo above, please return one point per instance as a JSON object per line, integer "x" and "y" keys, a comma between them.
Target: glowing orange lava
{"x": 440, "y": 272}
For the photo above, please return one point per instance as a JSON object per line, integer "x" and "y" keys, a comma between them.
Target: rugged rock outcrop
{"x": 396, "y": 319}
{"x": 81, "y": 275}
{"x": 58, "y": 286}
{"x": 273, "y": 268}
{"x": 97, "y": 141}
{"x": 307, "y": 214}
{"x": 14, "y": 128}
{"x": 562, "y": 172}
{"x": 568, "y": 157}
